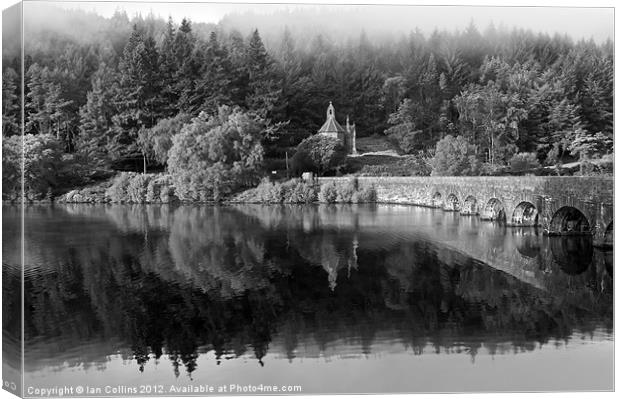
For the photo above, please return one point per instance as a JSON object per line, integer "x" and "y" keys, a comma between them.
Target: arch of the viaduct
{"x": 559, "y": 205}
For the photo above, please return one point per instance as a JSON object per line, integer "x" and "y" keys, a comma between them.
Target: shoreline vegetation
{"x": 135, "y": 188}
{"x": 299, "y": 191}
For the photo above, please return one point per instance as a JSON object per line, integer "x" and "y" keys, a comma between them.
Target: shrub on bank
{"x": 160, "y": 189}
{"x": 268, "y": 192}
{"x": 118, "y": 190}
{"x": 47, "y": 171}
{"x": 138, "y": 188}
{"x": 347, "y": 192}
{"x": 95, "y": 194}
{"x": 328, "y": 192}
{"x": 166, "y": 195}
{"x": 299, "y": 192}
{"x": 367, "y": 194}
{"x": 291, "y": 192}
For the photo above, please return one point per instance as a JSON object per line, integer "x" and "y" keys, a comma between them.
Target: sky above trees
{"x": 578, "y": 22}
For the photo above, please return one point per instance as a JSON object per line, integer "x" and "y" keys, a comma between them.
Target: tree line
{"x": 123, "y": 98}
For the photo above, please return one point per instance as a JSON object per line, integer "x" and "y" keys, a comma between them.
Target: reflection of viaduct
{"x": 560, "y": 205}
{"x": 519, "y": 252}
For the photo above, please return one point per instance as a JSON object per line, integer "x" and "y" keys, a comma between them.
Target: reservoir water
{"x": 310, "y": 299}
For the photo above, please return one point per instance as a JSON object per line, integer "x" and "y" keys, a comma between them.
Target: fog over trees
{"x": 101, "y": 87}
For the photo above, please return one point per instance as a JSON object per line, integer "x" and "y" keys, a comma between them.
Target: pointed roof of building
{"x": 331, "y": 125}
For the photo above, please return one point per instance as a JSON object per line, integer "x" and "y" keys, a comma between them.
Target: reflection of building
{"x": 332, "y": 128}
{"x": 335, "y": 256}
{"x": 352, "y": 261}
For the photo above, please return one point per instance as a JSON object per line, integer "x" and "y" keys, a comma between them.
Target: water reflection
{"x": 159, "y": 282}
{"x": 574, "y": 255}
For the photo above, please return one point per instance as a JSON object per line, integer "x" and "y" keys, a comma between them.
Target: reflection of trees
{"x": 219, "y": 249}
{"x": 175, "y": 281}
{"x": 466, "y": 299}
{"x": 11, "y": 319}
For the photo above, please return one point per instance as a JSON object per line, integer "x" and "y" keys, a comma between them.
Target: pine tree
{"x": 188, "y": 58}
{"x": 293, "y": 84}
{"x": 393, "y": 93}
{"x": 587, "y": 144}
{"x": 137, "y": 100}
{"x": 263, "y": 90}
{"x": 96, "y": 117}
{"x": 11, "y": 107}
{"x": 59, "y": 114}
{"x": 168, "y": 67}
{"x": 47, "y": 110}
{"x": 213, "y": 86}
{"x": 403, "y": 128}
{"x": 597, "y": 97}
{"x": 239, "y": 78}
{"x": 366, "y": 91}
{"x": 452, "y": 79}
{"x": 321, "y": 89}
{"x": 36, "y": 118}
{"x": 454, "y": 71}
{"x": 562, "y": 128}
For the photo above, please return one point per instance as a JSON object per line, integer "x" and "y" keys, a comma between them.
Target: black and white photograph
{"x": 303, "y": 198}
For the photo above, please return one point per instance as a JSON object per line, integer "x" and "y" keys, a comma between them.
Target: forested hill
{"x": 101, "y": 85}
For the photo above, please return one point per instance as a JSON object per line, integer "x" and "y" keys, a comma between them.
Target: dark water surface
{"x": 330, "y": 298}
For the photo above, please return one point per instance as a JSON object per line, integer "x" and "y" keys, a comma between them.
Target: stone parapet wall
{"x": 489, "y": 196}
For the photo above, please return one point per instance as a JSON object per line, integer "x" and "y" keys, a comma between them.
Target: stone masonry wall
{"x": 593, "y": 196}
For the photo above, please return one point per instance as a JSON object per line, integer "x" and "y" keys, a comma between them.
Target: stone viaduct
{"x": 559, "y": 205}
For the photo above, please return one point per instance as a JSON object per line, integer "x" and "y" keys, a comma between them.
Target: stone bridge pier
{"x": 572, "y": 205}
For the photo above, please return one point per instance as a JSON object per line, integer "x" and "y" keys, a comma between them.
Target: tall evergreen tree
{"x": 263, "y": 90}
{"x": 366, "y": 92}
{"x": 96, "y": 117}
{"x": 11, "y": 104}
{"x": 168, "y": 66}
{"x": 562, "y": 127}
{"x": 597, "y": 97}
{"x": 213, "y": 86}
{"x": 137, "y": 100}
{"x": 293, "y": 83}
{"x": 47, "y": 110}
{"x": 239, "y": 79}
{"x": 188, "y": 58}
{"x": 393, "y": 93}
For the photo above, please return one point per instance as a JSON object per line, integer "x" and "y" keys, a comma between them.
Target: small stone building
{"x": 332, "y": 128}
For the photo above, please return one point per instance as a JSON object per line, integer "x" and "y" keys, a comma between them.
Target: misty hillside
{"x": 335, "y": 24}
{"x": 385, "y": 24}
{"x": 116, "y": 89}
{"x": 47, "y": 26}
